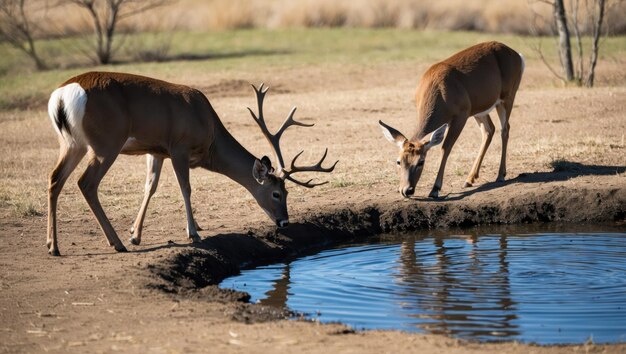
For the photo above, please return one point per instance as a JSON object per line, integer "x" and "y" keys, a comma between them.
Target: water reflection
{"x": 437, "y": 291}
{"x": 279, "y": 293}
{"x": 548, "y": 288}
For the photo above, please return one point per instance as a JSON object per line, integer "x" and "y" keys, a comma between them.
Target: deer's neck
{"x": 228, "y": 157}
{"x": 425, "y": 126}
{"x": 429, "y": 117}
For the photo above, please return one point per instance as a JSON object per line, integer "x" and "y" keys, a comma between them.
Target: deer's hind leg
{"x": 69, "y": 157}
{"x": 99, "y": 164}
{"x": 488, "y": 129}
{"x": 504, "y": 112}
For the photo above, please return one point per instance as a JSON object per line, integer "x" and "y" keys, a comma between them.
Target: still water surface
{"x": 543, "y": 288}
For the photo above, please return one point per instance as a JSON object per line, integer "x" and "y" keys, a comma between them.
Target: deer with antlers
{"x": 470, "y": 83}
{"x": 102, "y": 115}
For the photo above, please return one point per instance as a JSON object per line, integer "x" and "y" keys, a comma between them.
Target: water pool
{"x": 542, "y": 287}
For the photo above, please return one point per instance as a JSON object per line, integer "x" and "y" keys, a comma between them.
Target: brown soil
{"x": 566, "y": 164}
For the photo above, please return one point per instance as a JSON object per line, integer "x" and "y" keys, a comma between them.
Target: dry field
{"x": 495, "y": 16}
{"x": 93, "y": 300}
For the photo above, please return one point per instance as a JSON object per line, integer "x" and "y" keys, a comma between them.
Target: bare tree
{"x": 106, "y": 15}
{"x": 575, "y": 5}
{"x": 565, "y": 49}
{"x": 595, "y": 15}
{"x": 17, "y": 29}
{"x": 595, "y": 48}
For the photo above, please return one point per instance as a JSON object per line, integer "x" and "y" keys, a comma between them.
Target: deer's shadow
{"x": 561, "y": 171}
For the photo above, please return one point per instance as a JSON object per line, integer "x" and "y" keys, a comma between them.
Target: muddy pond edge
{"x": 195, "y": 270}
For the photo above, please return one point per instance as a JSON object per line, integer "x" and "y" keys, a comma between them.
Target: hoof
{"x": 135, "y": 241}
{"x": 195, "y": 238}
{"x": 121, "y": 248}
{"x": 54, "y": 252}
{"x": 434, "y": 194}
{"x": 500, "y": 179}
{"x": 467, "y": 185}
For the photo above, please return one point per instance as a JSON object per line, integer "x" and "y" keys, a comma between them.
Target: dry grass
{"x": 187, "y": 53}
{"x": 496, "y": 16}
{"x": 345, "y": 101}
{"x": 345, "y": 82}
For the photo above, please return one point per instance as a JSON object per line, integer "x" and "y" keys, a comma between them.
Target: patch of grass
{"x": 4, "y": 200}
{"x": 27, "y": 210}
{"x": 340, "y": 183}
{"x": 19, "y": 208}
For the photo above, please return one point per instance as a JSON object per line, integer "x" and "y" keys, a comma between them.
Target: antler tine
{"x": 260, "y": 96}
{"x": 307, "y": 184}
{"x": 289, "y": 122}
{"x": 313, "y": 168}
{"x": 272, "y": 139}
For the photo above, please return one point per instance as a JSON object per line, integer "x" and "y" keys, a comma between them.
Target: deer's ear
{"x": 266, "y": 161}
{"x": 436, "y": 137}
{"x": 392, "y": 134}
{"x": 260, "y": 171}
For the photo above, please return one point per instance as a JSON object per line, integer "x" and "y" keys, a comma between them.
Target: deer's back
{"x": 150, "y": 111}
{"x": 471, "y": 80}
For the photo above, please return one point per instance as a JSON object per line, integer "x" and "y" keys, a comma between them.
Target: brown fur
{"x": 131, "y": 114}
{"x": 149, "y": 110}
{"x": 466, "y": 84}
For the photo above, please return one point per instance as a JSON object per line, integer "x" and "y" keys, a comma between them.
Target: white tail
{"x": 66, "y": 109}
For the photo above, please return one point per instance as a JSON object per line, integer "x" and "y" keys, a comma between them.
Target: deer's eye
{"x": 398, "y": 162}
{"x": 276, "y": 195}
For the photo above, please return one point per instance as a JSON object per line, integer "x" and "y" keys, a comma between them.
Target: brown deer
{"x": 104, "y": 114}
{"x": 470, "y": 83}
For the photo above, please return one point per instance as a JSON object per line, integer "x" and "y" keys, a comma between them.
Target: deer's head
{"x": 412, "y": 155}
{"x": 271, "y": 194}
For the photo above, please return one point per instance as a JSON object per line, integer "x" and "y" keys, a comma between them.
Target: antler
{"x": 274, "y": 140}
{"x": 312, "y": 168}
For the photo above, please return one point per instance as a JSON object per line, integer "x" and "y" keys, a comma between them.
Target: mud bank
{"x": 195, "y": 272}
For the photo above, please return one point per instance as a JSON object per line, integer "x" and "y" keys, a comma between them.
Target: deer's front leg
{"x": 180, "y": 162}
{"x": 453, "y": 133}
{"x": 154, "y": 165}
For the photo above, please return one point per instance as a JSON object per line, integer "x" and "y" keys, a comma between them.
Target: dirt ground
{"x": 565, "y": 163}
